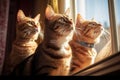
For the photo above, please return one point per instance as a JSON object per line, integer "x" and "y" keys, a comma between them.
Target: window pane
{"x": 117, "y": 13}
{"x": 97, "y": 10}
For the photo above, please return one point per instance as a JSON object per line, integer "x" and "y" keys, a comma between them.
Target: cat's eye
{"x": 56, "y": 27}
{"x": 60, "y": 20}
{"x": 31, "y": 22}
{"x": 92, "y": 24}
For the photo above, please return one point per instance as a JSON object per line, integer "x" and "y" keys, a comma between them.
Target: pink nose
{"x": 36, "y": 29}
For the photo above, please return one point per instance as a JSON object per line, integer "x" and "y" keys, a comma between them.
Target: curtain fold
{"x": 4, "y": 11}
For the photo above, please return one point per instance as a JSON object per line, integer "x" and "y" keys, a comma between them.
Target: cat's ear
{"x": 20, "y": 15}
{"x": 49, "y": 12}
{"x": 37, "y": 18}
{"x": 67, "y": 12}
{"x": 79, "y": 20}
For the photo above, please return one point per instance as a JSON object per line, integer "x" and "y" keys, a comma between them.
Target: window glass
{"x": 97, "y": 10}
{"x": 117, "y": 14}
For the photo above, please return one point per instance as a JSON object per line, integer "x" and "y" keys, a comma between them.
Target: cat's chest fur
{"x": 58, "y": 62}
{"x": 24, "y": 48}
{"x": 80, "y": 49}
{"x": 53, "y": 56}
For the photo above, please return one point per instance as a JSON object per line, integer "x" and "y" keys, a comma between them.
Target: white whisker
{"x": 106, "y": 34}
{"x": 105, "y": 31}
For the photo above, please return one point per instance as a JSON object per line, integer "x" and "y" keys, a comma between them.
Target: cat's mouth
{"x": 70, "y": 28}
{"x": 99, "y": 29}
{"x": 35, "y": 30}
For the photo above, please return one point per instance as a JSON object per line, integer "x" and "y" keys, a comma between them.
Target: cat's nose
{"x": 35, "y": 26}
{"x": 36, "y": 29}
{"x": 70, "y": 21}
{"x": 99, "y": 25}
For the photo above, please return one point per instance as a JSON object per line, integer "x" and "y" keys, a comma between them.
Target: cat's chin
{"x": 67, "y": 32}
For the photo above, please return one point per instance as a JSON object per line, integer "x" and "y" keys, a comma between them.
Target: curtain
{"x": 4, "y": 10}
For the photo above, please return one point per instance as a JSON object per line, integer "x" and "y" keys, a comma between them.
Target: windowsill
{"x": 103, "y": 67}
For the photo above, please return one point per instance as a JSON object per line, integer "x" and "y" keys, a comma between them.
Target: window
{"x": 97, "y": 10}
{"x": 117, "y": 16}
{"x": 92, "y": 9}
{"x": 107, "y": 13}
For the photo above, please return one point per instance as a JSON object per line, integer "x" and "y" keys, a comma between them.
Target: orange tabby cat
{"x": 87, "y": 33}
{"x": 53, "y": 55}
{"x": 27, "y": 32}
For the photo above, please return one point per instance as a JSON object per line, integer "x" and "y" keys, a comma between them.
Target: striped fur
{"x": 53, "y": 56}
{"x": 27, "y": 32}
{"x": 88, "y": 32}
